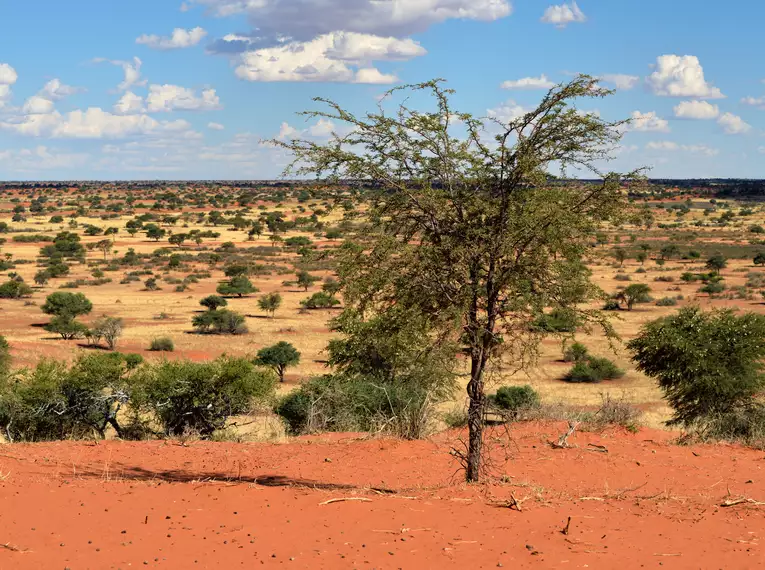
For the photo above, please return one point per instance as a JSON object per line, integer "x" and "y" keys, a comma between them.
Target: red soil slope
{"x": 643, "y": 503}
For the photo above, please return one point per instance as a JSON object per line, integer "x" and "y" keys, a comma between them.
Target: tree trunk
{"x": 475, "y": 392}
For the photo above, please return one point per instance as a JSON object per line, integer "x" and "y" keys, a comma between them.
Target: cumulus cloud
{"x": 681, "y": 76}
{"x": 166, "y": 98}
{"x": 563, "y": 15}
{"x": 8, "y": 77}
{"x": 93, "y": 123}
{"x": 37, "y": 105}
{"x": 55, "y": 90}
{"x": 303, "y": 20}
{"x": 620, "y": 80}
{"x": 648, "y": 122}
{"x": 733, "y": 124}
{"x": 179, "y": 39}
{"x": 215, "y": 126}
{"x": 696, "y": 110}
{"x": 758, "y": 102}
{"x": 336, "y": 57}
{"x": 129, "y": 104}
{"x": 673, "y": 146}
{"x": 541, "y": 82}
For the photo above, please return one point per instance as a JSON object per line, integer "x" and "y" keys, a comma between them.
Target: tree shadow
{"x": 136, "y": 473}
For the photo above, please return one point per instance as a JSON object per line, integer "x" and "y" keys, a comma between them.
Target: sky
{"x": 172, "y": 89}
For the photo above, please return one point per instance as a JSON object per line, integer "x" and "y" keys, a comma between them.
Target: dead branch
{"x": 562, "y": 442}
{"x": 343, "y": 499}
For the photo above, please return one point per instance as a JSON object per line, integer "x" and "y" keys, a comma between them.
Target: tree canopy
{"x": 465, "y": 224}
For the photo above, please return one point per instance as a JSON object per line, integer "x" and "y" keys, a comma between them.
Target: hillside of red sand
{"x": 633, "y": 501}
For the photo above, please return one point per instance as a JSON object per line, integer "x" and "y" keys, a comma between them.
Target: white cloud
{"x": 179, "y": 39}
{"x": 303, "y": 20}
{"x": 37, "y": 105}
{"x": 761, "y": 150}
{"x": 673, "y": 146}
{"x": 8, "y": 77}
{"x": 758, "y": 102}
{"x": 129, "y": 104}
{"x": 696, "y": 110}
{"x": 681, "y": 76}
{"x": 541, "y": 82}
{"x": 621, "y": 81}
{"x": 40, "y": 158}
{"x": 215, "y": 126}
{"x": 55, "y": 90}
{"x": 506, "y": 112}
{"x": 172, "y": 97}
{"x": 132, "y": 70}
{"x": 336, "y": 57}
{"x": 563, "y": 15}
{"x": 648, "y": 122}
{"x": 93, "y": 123}
{"x": 733, "y": 124}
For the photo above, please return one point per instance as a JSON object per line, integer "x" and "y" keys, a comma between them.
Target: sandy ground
{"x": 645, "y": 503}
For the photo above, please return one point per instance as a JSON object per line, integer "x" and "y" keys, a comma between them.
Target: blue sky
{"x": 168, "y": 89}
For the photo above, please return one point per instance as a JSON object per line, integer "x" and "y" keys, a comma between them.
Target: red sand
{"x": 645, "y": 503}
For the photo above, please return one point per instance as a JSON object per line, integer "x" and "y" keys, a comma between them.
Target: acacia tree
{"x": 467, "y": 228}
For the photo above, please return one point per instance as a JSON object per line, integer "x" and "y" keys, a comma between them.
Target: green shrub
{"x": 320, "y": 300}
{"x": 666, "y": 302}
{"x": 186, "y": 396}
{"x": 575, "y": 353}
{"x": 622, "y": 277}
{"x": 557, "y": 321}
{"x": 593, "y": 370}
{"x": 14, "y": 290}
{"x": 221, "y": 321}
{"x": 162, "y": 344}
{"x": 515, "y": 399}
{"x": 709, "y": 364}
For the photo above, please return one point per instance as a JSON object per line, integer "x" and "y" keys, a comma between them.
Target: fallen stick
{"x": 514, "y": 503}
{"x": 734, "y": 502}
{"x": 342, "y": 499}
{"x": 9, "y": 546}
{"x": 596, "y": 447}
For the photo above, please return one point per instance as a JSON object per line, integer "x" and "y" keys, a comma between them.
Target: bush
{"x": 221, "y": 321}
{"x": 514, "y": 400}
{"x": 162, "y": 344}
{"x": 666, "y": 302}
{"x": 712, "y": 288}
{"x": 664, "y": 278}
{"x": 5, "y": 356}
{"x": 593, "y": 370}
{"x": 575, "y": 353}
{"x": 52, "y": 402}
{"x": 320, "y": 300}
{"x": 389, "y": 375}
{"x": 14, "y": 290}
{"x": 213, "y": 302}
{"x": 622, "y": 277}
{"x": 557, "y": 321}
{"x": 186, "y": 396}
{"x": 709, "y": 364}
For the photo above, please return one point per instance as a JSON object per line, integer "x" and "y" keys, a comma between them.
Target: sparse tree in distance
{"x": 635, "y": 293}
{"x": 620, "y": 255}
{"x": 305, "y": 279}
{"x": 717, "y": 263}
{"x": 269, "y": 303}
{"x": 468, "y": 232}
{"x": 213, "y": 302}
{"x": 279, "y": 357}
